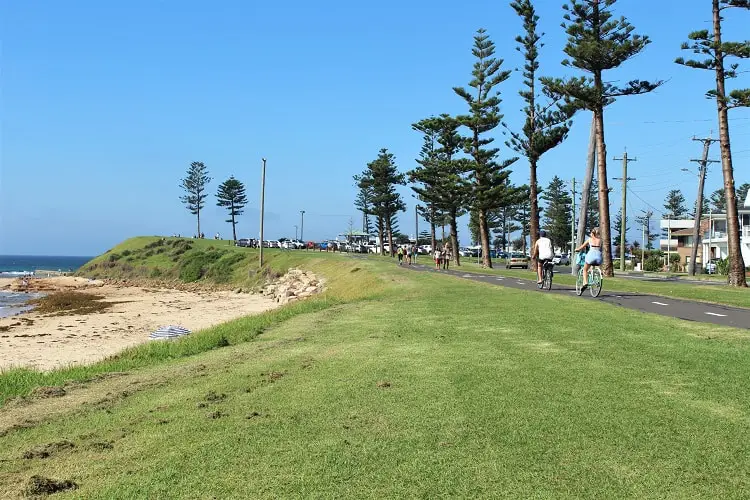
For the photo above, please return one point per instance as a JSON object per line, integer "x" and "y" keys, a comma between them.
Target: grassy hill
{"x": 186, "y": 260}
{"x": 404, "y": 384}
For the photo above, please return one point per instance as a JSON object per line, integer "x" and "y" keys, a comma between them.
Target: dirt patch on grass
{"x": 48, "y": 450}
{"x": 68, "y": 303}
{"x": 41, "y": 486}
{"x": 212, "y": 397}
{"x": 48, "y": 392}
{"x": 101, "y": 446}
{"x": 383, "y": 384}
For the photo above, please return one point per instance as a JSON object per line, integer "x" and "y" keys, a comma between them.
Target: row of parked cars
{"x": 282, "y": 243}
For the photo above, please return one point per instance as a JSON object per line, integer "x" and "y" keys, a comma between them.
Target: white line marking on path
{"x": 717, "y": 314}
{"x": 466, "y": 276}
{"x": 499, "y": 279}
{"x": 660, "y": 303}
{"x": 618, "y": 296}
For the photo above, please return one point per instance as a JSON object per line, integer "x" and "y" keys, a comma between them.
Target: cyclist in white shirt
{"x": 543, "y": 252}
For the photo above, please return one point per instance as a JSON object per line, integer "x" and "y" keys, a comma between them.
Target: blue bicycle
{"x": 594, "y": 279}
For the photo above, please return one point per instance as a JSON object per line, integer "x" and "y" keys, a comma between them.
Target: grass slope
{"x": 437, "y": 387}
{"x": 344, "y": 283}
{"x": 185, "y": 260}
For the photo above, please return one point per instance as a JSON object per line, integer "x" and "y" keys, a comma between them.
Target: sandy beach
{"x": 49, "y": 341}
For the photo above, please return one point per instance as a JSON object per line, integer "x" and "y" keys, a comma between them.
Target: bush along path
{"x": 665, "y": 306}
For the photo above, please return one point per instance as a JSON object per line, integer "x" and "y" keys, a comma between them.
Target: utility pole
{"x": 262, "y": 206}
{"x": 710, "y": 234}
{"x": 624, "y": 217}
{"x": 643, "y": 244}
{"x": 703, "y": 162}
{"x": 646, "y": 223}
{"x": 573, "y": 227}
{"x": 302, "y": 225}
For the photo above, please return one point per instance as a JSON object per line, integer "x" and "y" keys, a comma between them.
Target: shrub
{"x": 222, "y": 270}
{"x": 114, "y": 257}
{"x": 722, "y": 267}
{"x": 195, "y": 265}
{"x": 155, "y": 244}
{"x": 125, "y": 253}
{"x": 653, "y": 264}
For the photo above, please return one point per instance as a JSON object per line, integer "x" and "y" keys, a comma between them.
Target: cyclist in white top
{"x": 542, "y": 251}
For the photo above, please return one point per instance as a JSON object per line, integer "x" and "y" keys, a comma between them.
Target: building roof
{"x": 689, "y": 231}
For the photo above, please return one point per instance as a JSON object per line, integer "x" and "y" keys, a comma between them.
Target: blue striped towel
{"x": 169, "y": 332}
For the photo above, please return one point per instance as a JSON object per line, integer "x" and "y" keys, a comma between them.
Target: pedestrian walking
{"x": 400, "y": 254}
{"x": 437, "y": 258}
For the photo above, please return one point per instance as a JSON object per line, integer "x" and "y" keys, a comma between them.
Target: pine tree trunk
{"x": 234, "y": 224}
{"x": 380, "y": 235}
{"x": 736, "y": 272}
{"x": 454, "y": 237}
{"x": 199, "y": 222}
{"x": 586, "y": 193}
{"x": 601, "y": 153}
{"x": 433, "y": 238}
{"x": 389, "y": 229}
{"x": 484, "y": 238}
{"x": 534, "y": 215}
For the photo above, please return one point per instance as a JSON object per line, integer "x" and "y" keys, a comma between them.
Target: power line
{"x": 649, "y": 205}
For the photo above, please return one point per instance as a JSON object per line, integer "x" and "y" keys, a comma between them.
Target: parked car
{"x": 561, "y": 260}
{"x": 711, "y": 267}
{"x": 469, "y": 252}
{"x": 243, "y": 242}
{"x": 517, "y": 259}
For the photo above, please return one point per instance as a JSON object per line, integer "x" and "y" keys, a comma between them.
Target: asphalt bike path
{"x": 665, "y": 306}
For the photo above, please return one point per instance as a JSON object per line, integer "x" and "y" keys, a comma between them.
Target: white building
{"x": 713, "y": 235}
{"x": 715, "y": 238}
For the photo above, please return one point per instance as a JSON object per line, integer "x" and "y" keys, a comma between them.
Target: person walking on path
{"x": 437, "y": 258}
{"x": 408, "y": 255}
{"x": 446, "y": 258}
{"x": 400, "y": 254}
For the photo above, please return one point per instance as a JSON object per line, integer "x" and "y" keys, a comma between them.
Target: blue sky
{"x": 105, "y": 104}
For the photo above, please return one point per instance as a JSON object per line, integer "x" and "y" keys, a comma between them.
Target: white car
{"x": 561, "y": 260}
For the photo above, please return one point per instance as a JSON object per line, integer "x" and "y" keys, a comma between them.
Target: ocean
{"x": 14, "y": 266}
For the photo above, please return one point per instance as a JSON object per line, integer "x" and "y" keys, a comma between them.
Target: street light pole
{"x": 295, "y": 231}
{"x": 416, "y": 232}
{"x": 302, "y": 225}
{"x": 262, "y": 207}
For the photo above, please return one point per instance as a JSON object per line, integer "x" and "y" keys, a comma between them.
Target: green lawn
{"x": 431, "y": 387}
{"x": 717, "y": 294}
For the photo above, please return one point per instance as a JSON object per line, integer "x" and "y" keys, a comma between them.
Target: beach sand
{"x": 45, "y": 342}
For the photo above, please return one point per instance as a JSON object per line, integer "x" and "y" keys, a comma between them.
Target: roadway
{"x": 676, "y": 308}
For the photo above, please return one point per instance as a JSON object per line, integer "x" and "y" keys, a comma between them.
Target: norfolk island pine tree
{"x": 597, "y": 42}
{"x": 231, "y": 194}
{"x": 194, "y": 184}
{"x": 711, "y": 45}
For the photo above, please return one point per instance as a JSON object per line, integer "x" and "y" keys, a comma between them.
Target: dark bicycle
{"x": 548, "y": 270}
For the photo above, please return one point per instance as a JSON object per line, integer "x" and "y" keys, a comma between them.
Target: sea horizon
{"x": 18, "y": 265}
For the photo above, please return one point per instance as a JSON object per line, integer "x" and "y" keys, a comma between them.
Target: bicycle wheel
{"x": 547, "y": 283}
{"x": 579, "y": 282}
{"x": 595, "y": 282}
